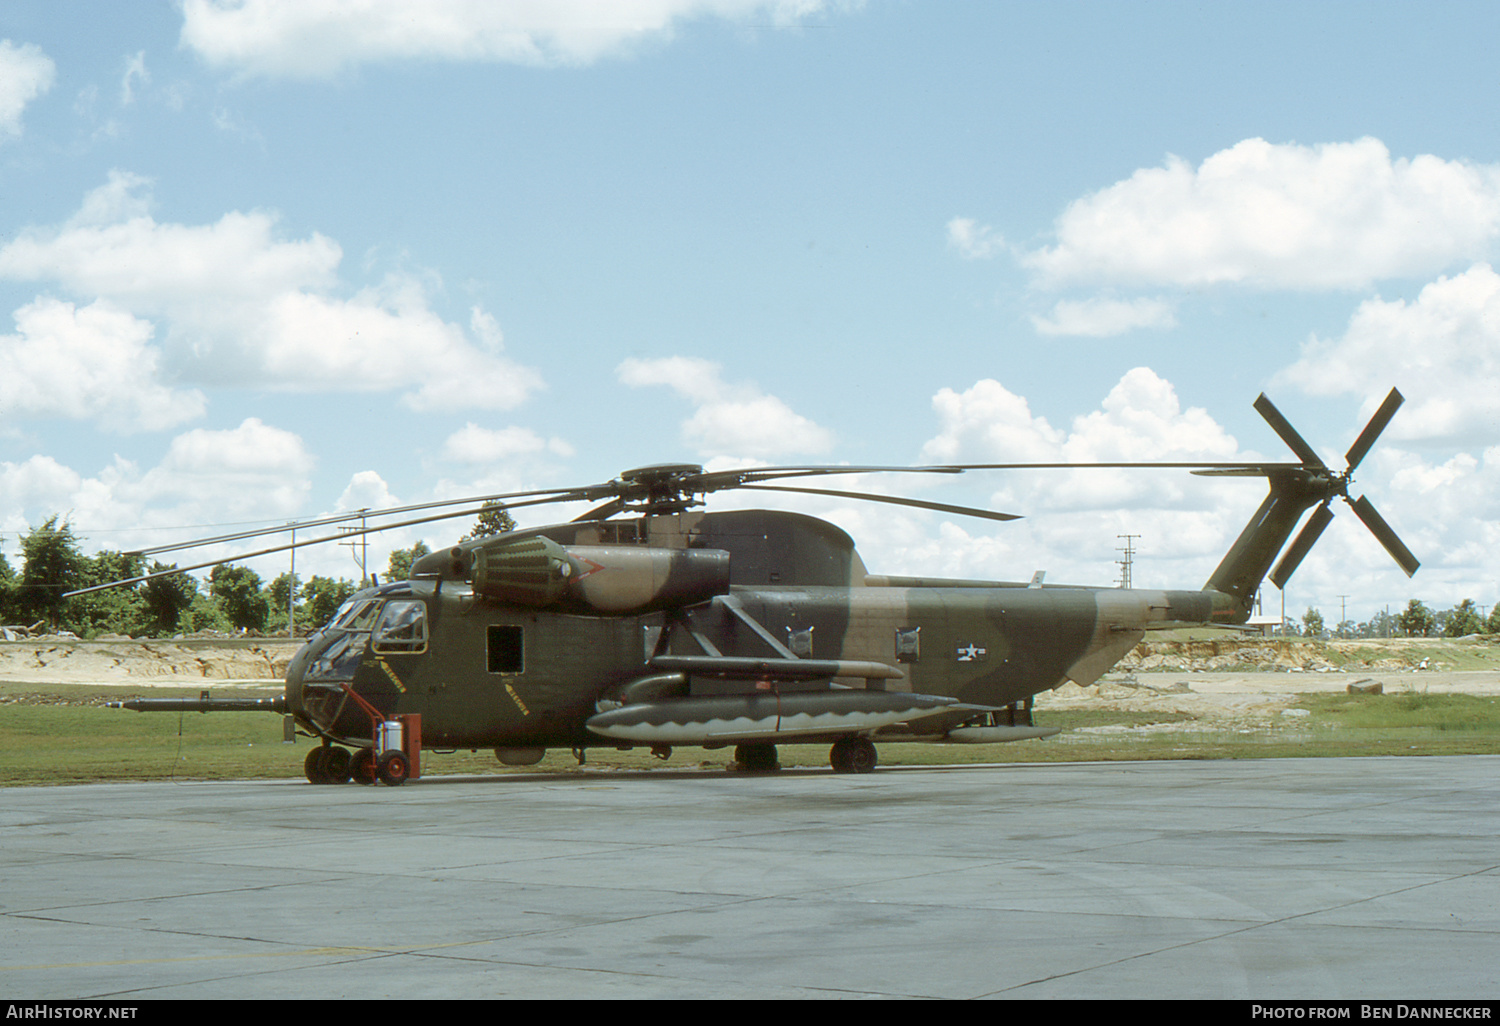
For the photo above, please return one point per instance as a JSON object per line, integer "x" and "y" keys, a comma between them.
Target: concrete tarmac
{"x": 1336, "y": 879}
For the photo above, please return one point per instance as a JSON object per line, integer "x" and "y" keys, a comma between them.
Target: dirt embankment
{"x": 1269, "y": 655}
{"x": 1253, "y": 683}
{"x": 176, "y": 661}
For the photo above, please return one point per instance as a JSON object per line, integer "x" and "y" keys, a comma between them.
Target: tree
{"x": 283, "y": 594}
{"x": 1492, "y": 625}
{"x": 164, "y": 600}
{"x": 1463, "y": 619}
{"x": 53, "y": 566}
{"x": 399, "y": 567}
{"x": 8, "y": 610}
{"x": 112, "y": 611}
{"x": 493, "y": 519}
{"x": 1416, "y": 621}
{"x": 1312, "y": 623}
{"x": 237, "y": 591}
{"x": 324, "y": 595}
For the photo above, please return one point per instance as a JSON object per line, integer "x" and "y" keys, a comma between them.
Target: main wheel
{"x": 315, "y": 766}
{"x": 853, "y": 755}
{"x": 362, "y": 766}
{"x": 758, "y": 758}
{"x": 336, "y": 765}
{"x": 394, "y": 769}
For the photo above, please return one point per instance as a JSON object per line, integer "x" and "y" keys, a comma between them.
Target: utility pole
{"x": 1129, "y": 550}
{"x": 359, "y": 550}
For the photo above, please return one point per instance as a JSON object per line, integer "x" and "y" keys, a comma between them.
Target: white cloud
{"x": 255, "y": 472}
{"x": 1102, "y": 318}
{"x": 135, "y": 73}
{"x": 1442, "y": 351}
{"x": 321, "y": 38}
{"x": 93, "y": 363}
{"x": 25, "y": 73}
{"x": 1331, "y": 216}
{"x": 475, "y": 445}
{"x": 367, "y": 490}
{"x": 1140, "y": 420}
{"x": 973, "y": 240}
{"x": 242, "y": 306}
{"x": 736, "y": 421}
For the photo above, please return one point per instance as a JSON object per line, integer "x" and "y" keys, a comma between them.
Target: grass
{"x": 62, "y": 734}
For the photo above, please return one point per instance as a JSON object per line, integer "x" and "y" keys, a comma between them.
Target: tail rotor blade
{"x": 1383, "y": 534}
{"x": 1374, "y": 428}
{"x": 1304, "y": 541}
{"x": 1283, "y": 427}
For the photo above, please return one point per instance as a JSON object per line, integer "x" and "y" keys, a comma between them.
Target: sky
{"x": 266, "y": 261}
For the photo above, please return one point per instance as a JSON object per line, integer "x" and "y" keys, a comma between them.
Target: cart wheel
{"x": 394, "y": 769}
{"x": 362, "y": 766}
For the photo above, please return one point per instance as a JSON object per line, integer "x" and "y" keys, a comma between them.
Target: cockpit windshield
{"x": 356, "y": 615}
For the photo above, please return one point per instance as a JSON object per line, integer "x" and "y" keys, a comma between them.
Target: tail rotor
{"x": 1337, "y": 486}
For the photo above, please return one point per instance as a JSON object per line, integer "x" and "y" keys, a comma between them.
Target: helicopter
{"x": 649, "y": 621}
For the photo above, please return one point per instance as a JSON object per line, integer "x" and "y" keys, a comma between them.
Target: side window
{"x": 908, "y": 644}
{"x": 504, "y": 650}
{"x": 402, "y": 627}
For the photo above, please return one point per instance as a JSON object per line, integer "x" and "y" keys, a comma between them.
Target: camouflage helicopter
{"x": 649, "y": 622}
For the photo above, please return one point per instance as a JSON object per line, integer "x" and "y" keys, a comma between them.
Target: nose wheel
{"x": 853, "y": 755}
{"x": 327, "y": 764}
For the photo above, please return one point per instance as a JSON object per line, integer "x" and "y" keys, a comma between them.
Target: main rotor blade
{"x": 603, "y": 512}
{"x": 941, "y": 507}
{"x": 561, "y": 494}
{"x": 1383, "y": 534}
{"x": 718, "y": 479}
{"x": 1240, "y": 468}
{"x": 1305, "y": 540}
{"x": 1288, "y": 434}
{"x": 344, "y": 536}
{"x": 1372, "y": 430}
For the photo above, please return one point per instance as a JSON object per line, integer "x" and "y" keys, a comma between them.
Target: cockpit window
{"x": 338, "y": 659}
{"x": 356, "y": 615}
{"x": 402, "y": 626}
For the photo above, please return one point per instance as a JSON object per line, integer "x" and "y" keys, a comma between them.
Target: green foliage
{"x": 1417, "y": 621}
{"x": 8, "y": 609}
{"x": 493, "y": 519}
{"x": 324, "y": 595}
{"x": 54, "y": 565}
{"x": 203, "y": 614}
{"x": 399, "y": 567}
{"x": 238, "y": 593}
{"x": 116, "y": 611}
{"x": 1463, "y": 619}
{"x": 1312, "y": 623}
{"x": 164, "y": 600}
{"x": 284, "y": 594}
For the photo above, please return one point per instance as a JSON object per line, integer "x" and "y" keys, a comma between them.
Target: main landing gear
{"x": 853, "y": 755}
{"x": 757, "y": 758}
{"x": 848, "y": 755}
